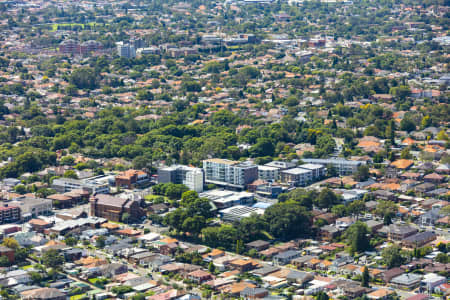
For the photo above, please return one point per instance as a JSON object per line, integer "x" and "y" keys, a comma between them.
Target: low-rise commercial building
{"x": 236, "y": 213}
{"x": 31, "y": 207}
{"x": 63, "y": 185}
{"x": 224, "y": 199}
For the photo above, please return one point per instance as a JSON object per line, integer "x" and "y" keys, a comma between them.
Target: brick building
{"x": 114, "y": 208}
{"x": 9, "y": 214}
{"x": 132, "y": 178}
{"x": 8, "y": 252}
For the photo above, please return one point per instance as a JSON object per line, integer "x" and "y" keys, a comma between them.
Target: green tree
{"x": 442, "y": 136}
{"x": 407, "y": 124}
{"x": 392, "y": 256}
{"x": 263, "y": 147}
{"x": 20, "y": 189}
{"x": 365, "y": 277}
{"x": 356, "y": 207}
{"x": 239, "y": 246}
{"x": 71, "y": 241}
{"x": 357, "y": 237}
{"x": 224, "y": 236}
{"x": 326, "y": 199}
{"x": 188, "y": 197}
{"x": 52, "y": 259}
{"x": 322, "y": 296}
{"x": 443, "y": 258}
{"x": 4, "y": 261}
{"x": 174, "y": 191}
{"x": 405, "y": 154}
{"x": 287, "y": 221}
{"x": 144, "y": 94}
{"x": 21, "y": 254}
{"x": 100, "y": 241}
{"x": 362, "y": 173}
{"x": 194, "y": 225}
{"x": 387, "y": 220}
{"x": 138, "y": 296}
{"x": 426, "y": 122}
{"x": 67, "y": 160}
{"x": 121, "y": 289}
{"x": 385, "y": 207}
{"x": 70, "y": 174}
{"x": 84, "y": 78}
{"x": 36, "y": 277}
{"x": 125, "y": 217}
{"x": 251, "y": 228}
{"x": 401, "y": 92}
{"x": 10, "y": 243}
{"x": 175, "y": 219}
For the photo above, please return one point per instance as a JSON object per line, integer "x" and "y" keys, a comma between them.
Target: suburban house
{"x": 284, "y": 258}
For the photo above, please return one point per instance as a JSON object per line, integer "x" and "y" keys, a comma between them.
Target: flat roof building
{"x": 296, "y": 176}
{"x": 233, "y": 174}
{"x": 236, "y": 213}
{"x": 342, "y": 166}
{"x": 224, "y": 199}
{"x": 191, "y": 177}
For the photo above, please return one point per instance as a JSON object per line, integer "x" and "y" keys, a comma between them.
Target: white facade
{"x": 194, "y": 180}
{"x": 126, "y": 50}
{"x": 268, "y": 173}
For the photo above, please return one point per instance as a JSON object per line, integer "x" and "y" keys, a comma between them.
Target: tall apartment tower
{"x": 126, "y": 50}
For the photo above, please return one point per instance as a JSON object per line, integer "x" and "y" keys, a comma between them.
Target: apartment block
{"x": 234, "y": 174}
{"x": 191, "y": 177}
{"x": 296, "y": 177}
{"x": 342, "y": 166}
{"x": 126, "y": 50}
{"x": 268, "y": 173}
{"x": 64, "y": 185}
{"x": 9, "y": 214}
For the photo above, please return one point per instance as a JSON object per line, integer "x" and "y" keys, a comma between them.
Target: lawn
{"x": 151, "y": 198}
{"x": 27, "y": 267}
{"x": 77, "y": 297}
{"x": 55, "y": 26}
{"x": 93, "y": 280}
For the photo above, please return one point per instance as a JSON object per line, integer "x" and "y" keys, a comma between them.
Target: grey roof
{"x": 250, "y": 292}
{"x": 373, "y": 223}
{"x": 329, "y": 228}
{"x": 267, "y": 269}
{"x": 303, "y": 259}
{"x": 297, "y": 171}
{"x": 297, "y": 275}
{"x": 110, "y": 200}
{"x": 420, "y": 237}
{"x": 332, "y": 161}
{"x": 280, "y": 164}
{"x": 257, "y": 243}
{"x": 287, "y": 254}
{"x": 43, "y": 293}
{"x": 401, "y": 229}
{"x": 407, "y": 279}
